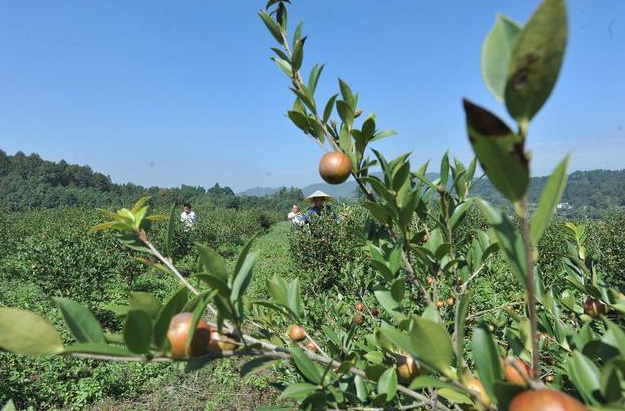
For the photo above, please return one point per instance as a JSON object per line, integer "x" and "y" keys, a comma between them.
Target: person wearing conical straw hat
{"x": 318, "y": 198}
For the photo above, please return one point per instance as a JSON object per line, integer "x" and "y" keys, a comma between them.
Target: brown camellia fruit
{"x": 297, "y": 333}
{"x": 374, "y": 312}
{"x": 450, "y": 301}
{"x": 335, "y": 167}
{"x": 358, "y": 319}
{"x": 221, "y": 342}
{"x": 594, "y": 308}
{"x": 513, "y": 376}
{"x": 359, "y": 306}
{"x": 178, "y": 333}
{"x": 545, "y": 400}
{"x": 440, "y": 304}
{"x": 407, "y": 367}
{"x": 476, "y": 387}
{"x": 311, "y": 346}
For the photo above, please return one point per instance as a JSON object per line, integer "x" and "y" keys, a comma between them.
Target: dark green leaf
{"x": 487, "y": 359}
{"x": 499, "y": 150}
{"x": 584, "y": 374}
{"x": 80, "y": 321}
{"x": 212, "y": 261}
{"x": 510, "y": 242}
{"x": 146, "y": 302}
{"x": 255, "y": 365}
{"x": 243, "y": 276}
{"x": 347, "y": 94}
{"x": 300, "y": 120}
{"x": 298, "y": 54}
{"x": 138, "y": 331}
{"x": 306, "y": 367}
{"x": 27, "y": 333}
{"x": 99, "y": 349}
{"x": 345, "y": 112}
{"x": 298, "y": 391}
{"x": 272, "y": 26}
{"x": 536, "y": 59}
{"x": 327, "y": 112}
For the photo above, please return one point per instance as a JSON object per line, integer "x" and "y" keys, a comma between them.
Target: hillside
{"x": 31, "y": 182}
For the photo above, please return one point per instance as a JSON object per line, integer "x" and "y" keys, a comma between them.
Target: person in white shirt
{"x": 295, "y": 217}
{"x": 188, "y": 217}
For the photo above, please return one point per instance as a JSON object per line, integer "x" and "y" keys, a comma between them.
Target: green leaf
{"x": 428, "y": 381}
{"x": 298, "y": 391}
{"x": 212, "y": 261}
{"x": 278, "y": 290}
{"x": 496, "y": 53}
{"x": 386, "y": 300}
{"x": 272, "y": 26}
{"x": 295, "y": 298}
{"x": 345, "y": 112}
{"x": 27, "y": 333}
{"x": 306, "y": 367}
{"x": 549, "y": 199}
{"x": 444, "y": 175}
{"x": 99, "y": 349}
{"x": 362, "y": 392}
{"x": 9, "y": 406}
{"x": 174, "y": 305}
{"x": 80, "y": 321}
{"x": 428, "y": 342}
{"x": 387, "y": 384}
{"x": 145, "y": 301}
{"x": 284, "y": 65}
{"x": 298, "y": 54}
{"x": 536, "y": 59}
{"x": 397, "y": 289}
{"x": 255, "y": 365}
{"x": 509, "y": 241}
{"x": 499, "y": 150}
{"x": 584, "y": 374}
{"x": 487, "y": 360}
{"x": 243, "y": 276}
{"x": 138, "y": 331}
{"x": 460, "y": 329}
{"x": 327, "y": 112}
{"x": 300, "y": 120}
{"x": 215, "y": 283}
{"x": 171, "y": 228}
{"x": 347, "y": 94}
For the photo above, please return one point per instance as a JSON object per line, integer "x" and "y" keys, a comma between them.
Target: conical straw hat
{"x": 319, "y": 193}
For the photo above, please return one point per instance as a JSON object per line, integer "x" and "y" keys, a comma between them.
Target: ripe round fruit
{"x": 450, "y": 301}
{"x": 311, "y": 346}
{"x": 440, "y": 304}
{"x": 545, "y": 400}
{"x": 359, "y": 306}
{"x": 374, "y": 312}
{"x": 475, "y": 386}
{"x": 335, "y": 167}
{"x": 407, "y": 367}
{"x": 178, "y": 333}
{"x": 594, "y": 308}
{"x": 358, "y": 319}
{"x": 220, "y": 342}
{"x": 297, "y": 333}
{"x": 513, "y": 376}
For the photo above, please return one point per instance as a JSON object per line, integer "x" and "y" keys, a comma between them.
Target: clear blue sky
{"x": 170, "y": 92}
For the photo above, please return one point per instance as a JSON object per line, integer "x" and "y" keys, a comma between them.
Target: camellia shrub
{"x": 401, "y": 347}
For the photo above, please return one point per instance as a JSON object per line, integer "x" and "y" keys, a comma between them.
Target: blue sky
{"x": 183, "y": 92}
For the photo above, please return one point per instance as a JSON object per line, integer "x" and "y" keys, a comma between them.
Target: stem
{"x": 531, "y": 292}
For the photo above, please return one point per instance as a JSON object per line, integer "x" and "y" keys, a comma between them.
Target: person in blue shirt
{"x": 318, "y": 198}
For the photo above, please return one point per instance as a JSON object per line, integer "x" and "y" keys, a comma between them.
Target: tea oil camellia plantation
{"x": 421, "y": 293}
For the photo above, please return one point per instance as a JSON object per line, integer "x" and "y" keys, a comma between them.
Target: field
{"x": 50, "y": 253}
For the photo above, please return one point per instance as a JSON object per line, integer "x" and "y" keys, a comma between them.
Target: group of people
{"x": 318, "y": 198}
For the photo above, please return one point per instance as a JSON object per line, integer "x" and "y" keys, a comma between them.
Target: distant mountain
{"x": 259, "y": 191}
